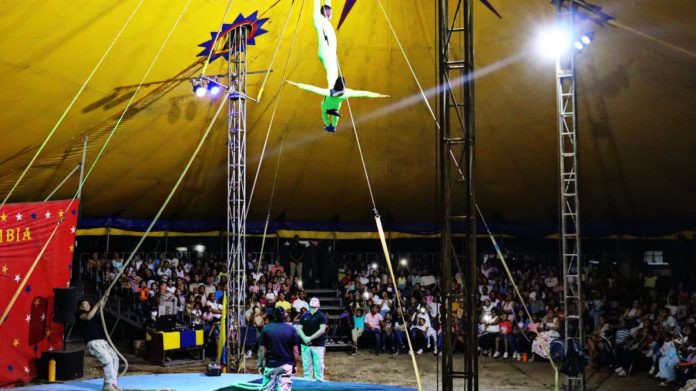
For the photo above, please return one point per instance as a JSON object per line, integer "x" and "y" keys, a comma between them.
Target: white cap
{"x": 314, "y": 302}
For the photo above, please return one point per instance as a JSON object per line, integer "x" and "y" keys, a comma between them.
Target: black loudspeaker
{"x": 69, "y": 364}
{"x": 65, "y": 304}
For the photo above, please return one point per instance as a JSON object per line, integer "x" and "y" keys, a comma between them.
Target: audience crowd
{"x": 633, "y": 321}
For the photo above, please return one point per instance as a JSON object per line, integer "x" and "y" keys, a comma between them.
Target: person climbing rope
{"x": 327, "y": 46}
{"x": 96, "y": 343}
{"x": 331, "y": 105}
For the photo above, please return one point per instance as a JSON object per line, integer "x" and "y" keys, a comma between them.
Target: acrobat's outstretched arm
{"x": 311, "y": 88}
{"x": 363, "y": 94}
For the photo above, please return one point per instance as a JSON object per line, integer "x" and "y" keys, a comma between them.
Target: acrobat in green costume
{"x": 327, "y": 43}
{"x": 335, "y": 93}
{"x": 330, "y": 105}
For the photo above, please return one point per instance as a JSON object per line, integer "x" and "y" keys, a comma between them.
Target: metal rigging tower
{"x": 236, "y": 46}
{"x": 456, "y": 182}
{"x": 569, "y": 201}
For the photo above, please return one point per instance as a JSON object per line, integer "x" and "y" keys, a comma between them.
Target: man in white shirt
{"x": 300, "y": 303}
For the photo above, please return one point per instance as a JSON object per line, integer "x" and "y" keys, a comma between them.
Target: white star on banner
{"x": 72, "y": 229}
{"x": 47, "y": 214}
{"x": 17, "y": 278}
{"x": 26, "y": 369}
{"x": 50, "y": 348}
{"x": 18, "y": 216}
{"x": 67, "y": 284}
{"x": 28, "y": 318}
{"x": 43, "y": 317}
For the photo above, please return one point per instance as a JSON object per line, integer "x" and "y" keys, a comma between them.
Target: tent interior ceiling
{"x": 636, "y": 94}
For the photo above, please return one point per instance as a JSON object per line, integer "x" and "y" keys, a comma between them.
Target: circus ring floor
{"x": 201, "y": 382}
{"x": 494, "y": 374}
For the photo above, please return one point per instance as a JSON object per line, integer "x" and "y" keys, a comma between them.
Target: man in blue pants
{"x": 312, "y": 332}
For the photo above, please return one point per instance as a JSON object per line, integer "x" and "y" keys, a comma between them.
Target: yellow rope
{"x": 382, "y": 237}
{"x": 217, "y": 35}
{"x": 275, "y": 109}
{"x": 72, "y": 103}
{"x": 223, "y": 100}
{"x": 387, "y": 257}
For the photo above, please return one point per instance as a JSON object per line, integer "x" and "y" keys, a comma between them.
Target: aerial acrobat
{"x": 335, "y": 93}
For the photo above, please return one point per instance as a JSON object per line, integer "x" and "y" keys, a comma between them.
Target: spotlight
{"x": 374, "y": 265}
{"x": 578, "y": 45}
{"x": 586, "y": 39}
{"x": 553, "y": 42}
{"x": 214, "y": 88}
{"x": 198, "y": 88}
{"x": 403, "y": 262}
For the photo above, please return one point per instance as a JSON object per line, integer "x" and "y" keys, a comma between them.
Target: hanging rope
{"x": 107, "y": 292}
{"x": 217, "y": 35}
{"x": 382, "y": 238}
{"x": 275, "y": 109}
{"x": 410, "y": 67}
{"x": 275, "y": 52}
{"x": 137, "y": 90}
{"x": 72, "y": 103}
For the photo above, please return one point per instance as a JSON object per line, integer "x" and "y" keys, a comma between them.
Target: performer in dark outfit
{"x": 97, "y": 345}
{"x": 278, "y": 353}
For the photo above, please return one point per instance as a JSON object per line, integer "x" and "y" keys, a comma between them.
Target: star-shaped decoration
{"x": 50, "y": 348}
{"x": 61, "y": 213}
{"x": 17, "y": 278}
{"x": 48, "y": 333}
{"x": 37, "y": 302}
{"x": 26, "y": 370}
{"x": 5, "y": 269}
{"x": 72, "y": 248}
{"x": 34, "y": 215}
{"x": 28, "y": 318}
{"x": 15, "y": 343}
{"x": 18, "y": 216}
{"x": 43, "y": 317}
{"x": 3, "y": 217}
{"x": 67, "y": 284}
{"x": 27, "y": 289}
{"x": 72, "y": 229}
{"x": 47, "y": 214}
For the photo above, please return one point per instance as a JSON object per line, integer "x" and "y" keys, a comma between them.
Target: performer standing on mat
{"x": 277, "y": 353}
{"x": 312, "y": 331}
{"x": 330, "y": 105}
{"x": 97, "y": 346}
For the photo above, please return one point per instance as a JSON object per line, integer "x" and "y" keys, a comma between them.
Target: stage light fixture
{"x": 578, "y": 45}
{"x": 198, "y": 88}
{"x": 403, "y": 262}
{"x": 553, "y": 42}
{"x": 374, "y": 265}
{"x": 587, "y": 39}
{"x": 214, "y": 88}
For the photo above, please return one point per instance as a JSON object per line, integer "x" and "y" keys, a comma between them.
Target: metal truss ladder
{"x": 456, "y": 181}
{"x": 236, "y": 180}
{"x": 569, "y": 201}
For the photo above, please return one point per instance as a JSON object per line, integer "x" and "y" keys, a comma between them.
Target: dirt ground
{"x": 365, "y": 367}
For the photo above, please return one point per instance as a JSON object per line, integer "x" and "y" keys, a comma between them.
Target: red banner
{"x": 28, "y": 330}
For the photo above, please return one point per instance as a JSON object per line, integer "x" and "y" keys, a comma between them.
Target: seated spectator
{"x": 358, "y": 329}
